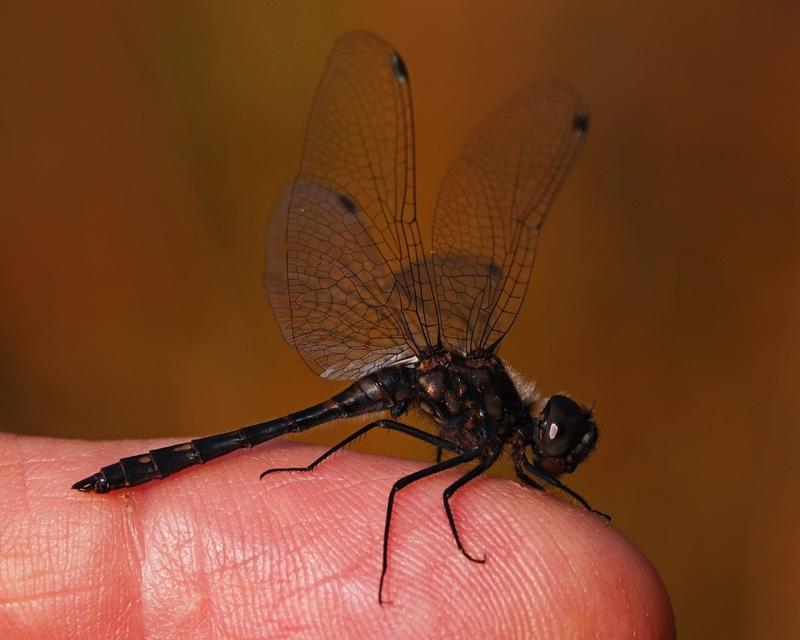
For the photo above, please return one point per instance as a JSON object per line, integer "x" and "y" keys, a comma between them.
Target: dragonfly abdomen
{"x": 377, "y": 392}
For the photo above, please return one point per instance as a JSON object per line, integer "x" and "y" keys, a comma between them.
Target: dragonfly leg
{"x": 448, "y": 493}
{"x": 466, "y": 456}
{"x": 527, "y": 479}
{"x": 441, "y": 443}
{"x": 530, "y": 468}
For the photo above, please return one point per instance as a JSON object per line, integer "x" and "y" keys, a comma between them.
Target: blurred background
{"x": 143, "y": 145}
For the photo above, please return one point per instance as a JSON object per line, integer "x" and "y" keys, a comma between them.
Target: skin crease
{"x": 213, "y": 553}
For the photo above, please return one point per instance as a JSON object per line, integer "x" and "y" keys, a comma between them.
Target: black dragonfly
{"x": 357, "y": 296}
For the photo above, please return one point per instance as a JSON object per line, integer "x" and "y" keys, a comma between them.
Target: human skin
{"x": 213, "y": 553}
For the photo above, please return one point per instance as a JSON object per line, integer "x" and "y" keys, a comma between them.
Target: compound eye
{"x": 564, "y": 424}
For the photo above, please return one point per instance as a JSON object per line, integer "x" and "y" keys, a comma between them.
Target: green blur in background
{"x": 142, "y": 147}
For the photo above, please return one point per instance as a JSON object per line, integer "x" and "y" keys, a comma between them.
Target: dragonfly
{"x": 355, "y": 293}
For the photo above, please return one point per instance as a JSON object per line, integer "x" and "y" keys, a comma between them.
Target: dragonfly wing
{"x": 332, "y": 291}
{"x": 491, "y": 208}
{"x": 357, "y": 293}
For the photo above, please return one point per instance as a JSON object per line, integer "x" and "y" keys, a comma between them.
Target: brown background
{"x": 141, "y": 147}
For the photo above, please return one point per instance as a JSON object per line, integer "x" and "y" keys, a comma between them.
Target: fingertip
{"x": 629, "y": 596}
{"x": 554, "y": 570}
{"x": 587, "y": 578}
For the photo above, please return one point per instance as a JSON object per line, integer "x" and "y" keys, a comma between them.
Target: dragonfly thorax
{"x": 473, "y": 400}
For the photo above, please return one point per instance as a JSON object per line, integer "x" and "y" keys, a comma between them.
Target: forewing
{"x": 347, "y": 275}
{"x": 491, "y": 208}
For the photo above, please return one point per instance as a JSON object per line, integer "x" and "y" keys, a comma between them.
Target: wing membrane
{"x": 491, "y": 208}
{"x": 332, "y": 291}
{"x": 347, "y": 275}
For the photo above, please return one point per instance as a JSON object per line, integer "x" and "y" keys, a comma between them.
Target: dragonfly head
{"x": 564, "y": 434}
